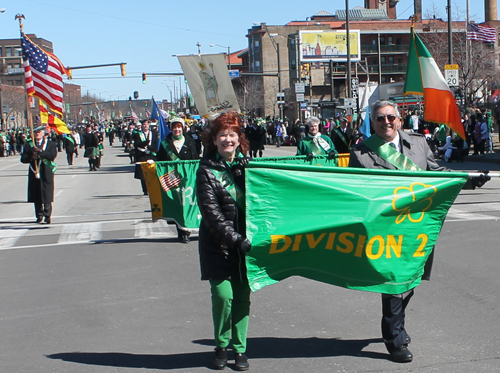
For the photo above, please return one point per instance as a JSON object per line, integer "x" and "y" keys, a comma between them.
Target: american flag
{"x": 481, "y": 33}
{"x": 170, "y": 181}
{"x": 133, "y": 114}
{"x": 43, "y": 72}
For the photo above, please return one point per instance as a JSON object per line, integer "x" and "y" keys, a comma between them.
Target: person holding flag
{"x": 145, "y": 144}
{"x": 392, "y": 148}
{"x": 222, "y": 241}
{"x": 315, "y": 143}
{"x": 40, "y": 154}
{"x": 178, "y": 146}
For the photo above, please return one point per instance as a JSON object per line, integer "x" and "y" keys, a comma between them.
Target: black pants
{"x": 69, "y": 156}
{"x": 393, "y": 319}
{"x": 43, "y": 210}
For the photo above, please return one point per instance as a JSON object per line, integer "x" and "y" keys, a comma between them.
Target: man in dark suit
{"x": 145, "y": 145}
{"x": 40, "y": 155}
{"x": 343, "y": 136}
{"x": 392, "y": 148}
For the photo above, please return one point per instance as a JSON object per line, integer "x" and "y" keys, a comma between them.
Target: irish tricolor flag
{"x": 424, "y": 78}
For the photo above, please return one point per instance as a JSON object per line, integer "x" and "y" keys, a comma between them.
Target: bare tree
{"x": 14, "y": 98}
{"x": 250, "y": 94}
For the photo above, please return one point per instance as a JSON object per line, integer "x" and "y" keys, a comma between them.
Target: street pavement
{"x": 104, "y": 289}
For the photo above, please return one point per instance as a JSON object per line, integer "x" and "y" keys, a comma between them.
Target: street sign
{"x": 349, "y": 103}
{"x": 281, "y": 97}
{"x": 300, "y": 88}
{"x": 300, "y": 97}
{"x": 451, "y": 74}
{"x": 234, "y": 73}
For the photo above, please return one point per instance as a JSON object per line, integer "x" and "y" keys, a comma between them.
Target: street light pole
{"x": 228, "y": 54}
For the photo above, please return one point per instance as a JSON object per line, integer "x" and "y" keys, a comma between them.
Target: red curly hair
{"x": 226, "y": 121}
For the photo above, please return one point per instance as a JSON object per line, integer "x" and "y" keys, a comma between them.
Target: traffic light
{"x": 307, "y": 69}
{"x": 70, "y": 73}
{"x": 143, "y": 78}
{"x": 302, "y": 71}
{"x": 124, "y": 72}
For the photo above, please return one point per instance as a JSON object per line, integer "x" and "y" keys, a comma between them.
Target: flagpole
{"x": 20, "y": 17}
{"x": 467, "y": 49}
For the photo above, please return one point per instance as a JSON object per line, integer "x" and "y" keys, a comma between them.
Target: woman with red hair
{"x": 222, "y": 242}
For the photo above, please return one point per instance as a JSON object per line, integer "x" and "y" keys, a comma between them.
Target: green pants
{"x": 230, "y": 310}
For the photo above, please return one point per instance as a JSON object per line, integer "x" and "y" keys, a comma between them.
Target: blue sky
{"x": 146, "y": 34}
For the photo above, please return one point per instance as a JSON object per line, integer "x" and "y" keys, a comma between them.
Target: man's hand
{"x": 332, "y": 155}
{"x": 310, "y": 156}
{"x": 478, "y": 182}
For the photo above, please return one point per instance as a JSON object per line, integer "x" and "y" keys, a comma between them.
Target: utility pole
{"x": 348, "y": 40}
{"x": 450, "y": 34}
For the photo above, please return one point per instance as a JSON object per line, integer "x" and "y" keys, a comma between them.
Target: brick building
{"x": 383, "y": 43}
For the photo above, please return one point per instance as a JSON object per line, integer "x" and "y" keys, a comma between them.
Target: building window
{"x": 256, "y": 44}
{"x": 0, "y": 51}
{"x": 17, "y": 65}
{"x": 19, "y": 82}
{"x": 389, "y": 40}
{"x": 382, "y": 60}
{"x": 398, "y": 41}
{"x": 390, "y": 60}
{"x": 8, "y": 52}
{"x": 17, "y": 52}
{"x": 382, "y": 40}
{"x": 10, "y": 66}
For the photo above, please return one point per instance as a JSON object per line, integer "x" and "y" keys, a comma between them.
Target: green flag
{"x": 362, "y": 229}
{"x": 171, "y": 186}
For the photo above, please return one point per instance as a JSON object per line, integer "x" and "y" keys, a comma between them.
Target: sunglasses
{"x": 381, "y": 118}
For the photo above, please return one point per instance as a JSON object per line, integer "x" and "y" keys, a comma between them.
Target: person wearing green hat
{"x": 40, "y": 154}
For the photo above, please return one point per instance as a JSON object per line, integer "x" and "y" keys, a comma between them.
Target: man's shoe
{"x": 47, "y": 220}
{"x": 241, "y": 362}
{"x": 184, "y": 238}
{"x": 401, "y": 354}
{"x": 39, "y": 220}
{"x": 220, "y": 358}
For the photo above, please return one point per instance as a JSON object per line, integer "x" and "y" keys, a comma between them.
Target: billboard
{"x": 326, "y": 45}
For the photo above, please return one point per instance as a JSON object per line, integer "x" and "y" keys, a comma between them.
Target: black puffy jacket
{"x": 222, "y": 227}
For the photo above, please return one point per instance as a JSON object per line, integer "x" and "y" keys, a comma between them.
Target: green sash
{"x": 391, "y": 155}
{"x": 341, "y": 135}
{"x": 71, "y": 139}
{"x": 170, "y": 153}
{"x": 227, "y": 182}
{"x": 313, "y": 148}
{"x": 51, "y": 164}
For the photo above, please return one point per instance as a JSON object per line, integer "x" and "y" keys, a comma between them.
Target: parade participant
{"x": 69, "y": 146}
{"x": 343, "y": 136}
{"x": 315, "y": 143}
{"x": 222, "y": 242}
{"x": 100, "y": 145}
{"x": 128, "y": 142}
{"x": 91, "y": 142}
{"x": 392, "y": 148}
{"x": 78, "y": 140}
{"x": 145, "y": 145}
{"x": 178, "y": 146}
{"x": 40, "y": 154}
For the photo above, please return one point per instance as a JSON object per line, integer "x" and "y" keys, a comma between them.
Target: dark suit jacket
{"x": 143, "y": 156}
{"x": 40, "y": 190}
{"x": 413, "y": 145}
{"x": 343, "y": 141}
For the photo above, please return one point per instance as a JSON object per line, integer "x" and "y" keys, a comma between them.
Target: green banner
{"x": 362, "y": 229}
{"x": 171, "y": 186}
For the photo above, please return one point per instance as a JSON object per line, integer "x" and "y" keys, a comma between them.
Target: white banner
{"x": 209, "y": 82}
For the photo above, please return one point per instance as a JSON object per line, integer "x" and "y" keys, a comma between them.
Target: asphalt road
{"x": 103, "y": 289}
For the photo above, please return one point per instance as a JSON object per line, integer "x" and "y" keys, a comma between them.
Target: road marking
{"x": 10, "y": 237}
{"x": 80, "y": 233}
{"x": 460, "y": 215}
{"x": 9, "y": 166}
{"x": 159, "y": 229}
{"x": 59, "y": 193}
